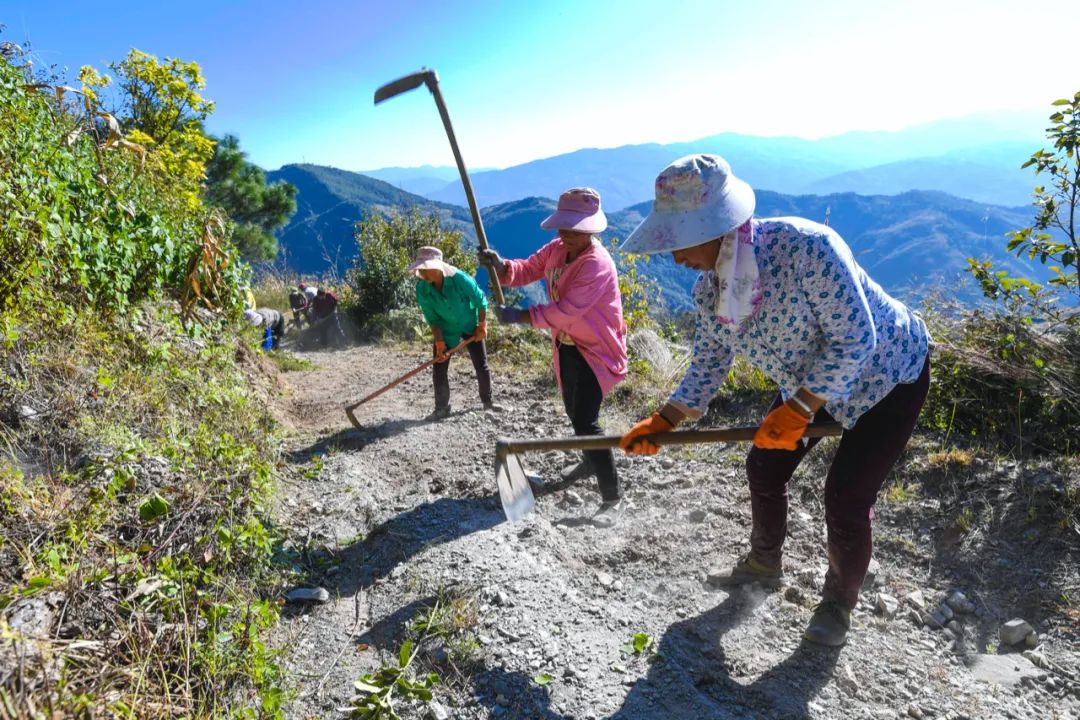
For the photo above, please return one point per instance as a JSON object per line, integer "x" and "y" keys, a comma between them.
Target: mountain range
{"x": 909, "y": 242}
{"x": 975, "y": 157}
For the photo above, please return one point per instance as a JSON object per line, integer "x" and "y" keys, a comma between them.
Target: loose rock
{"x": 887, "y": 605}
{"x": 316, "y": 594}
{"x": 1014, "y": 631}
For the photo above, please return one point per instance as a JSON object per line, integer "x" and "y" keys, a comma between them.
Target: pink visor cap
{"x": 578, "y": 210}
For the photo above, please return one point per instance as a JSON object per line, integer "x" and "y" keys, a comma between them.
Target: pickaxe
{"x": 431, "y": 79}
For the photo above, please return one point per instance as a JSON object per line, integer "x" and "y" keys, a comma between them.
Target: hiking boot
{"x": 493, "y": 407}
{"x": 581, "y": 471}
{"x": 608, "y": 515}
{"x": 746, "y": 571}
{"x": 438, "y": 414}
{"x": 829, "y": 625}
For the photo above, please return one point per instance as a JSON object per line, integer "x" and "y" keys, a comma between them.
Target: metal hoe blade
{"x": 514, "y": 491}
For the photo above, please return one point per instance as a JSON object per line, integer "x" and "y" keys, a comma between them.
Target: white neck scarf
{"x": 738, "y": 295}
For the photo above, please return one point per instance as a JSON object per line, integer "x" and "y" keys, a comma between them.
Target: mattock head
{"x": 514, "y": 490}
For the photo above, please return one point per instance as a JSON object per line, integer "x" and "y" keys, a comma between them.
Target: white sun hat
{"x": 430, "y": 258}
{"x": 698, "y": 199}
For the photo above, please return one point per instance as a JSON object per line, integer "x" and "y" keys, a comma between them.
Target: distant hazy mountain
{"x": 983, "y": 173}
{"x": 417, "y": 180}
{"x": 328, "y": 205}
{"x": 977, "y": 157}
{"x": 907, "y": 242}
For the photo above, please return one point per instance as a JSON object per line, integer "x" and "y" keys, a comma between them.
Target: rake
{"x": 390, "y": 386}
{"x": 517, "y": 497}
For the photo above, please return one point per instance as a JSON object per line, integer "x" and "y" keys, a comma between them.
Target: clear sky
{"x": 523, "y": 80}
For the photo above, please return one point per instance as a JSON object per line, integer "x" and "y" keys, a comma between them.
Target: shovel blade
{"x": 514, "y": 491}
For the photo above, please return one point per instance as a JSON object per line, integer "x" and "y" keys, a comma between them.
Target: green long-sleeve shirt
{"x": 455, "y": 309}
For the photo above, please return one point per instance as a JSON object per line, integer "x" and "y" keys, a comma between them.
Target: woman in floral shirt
{"x": 787, "y": 295}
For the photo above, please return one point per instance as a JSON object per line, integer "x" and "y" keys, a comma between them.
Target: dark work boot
{"x": 439, "y": 413}
{"x": 746, "y": 571}
{"x": 829, "y": 625}
{"x": 581, "y": 471}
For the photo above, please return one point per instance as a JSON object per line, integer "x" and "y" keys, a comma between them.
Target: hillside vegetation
{"x": 134, "y": 457}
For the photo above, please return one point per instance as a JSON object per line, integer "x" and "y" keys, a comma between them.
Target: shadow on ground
{"x": 393, "y": 543}
{"x": 690, "y": 676}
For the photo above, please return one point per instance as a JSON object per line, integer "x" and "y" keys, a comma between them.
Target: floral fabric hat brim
{"x": 673, "y": 230}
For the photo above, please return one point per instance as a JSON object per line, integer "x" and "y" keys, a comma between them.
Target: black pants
{"x": 440, "y": 372}
{"x": 582, "y": 397}
{"x": 866, "y": 454}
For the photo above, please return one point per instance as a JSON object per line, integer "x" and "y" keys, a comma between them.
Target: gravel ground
{"x": 402, "y": 515}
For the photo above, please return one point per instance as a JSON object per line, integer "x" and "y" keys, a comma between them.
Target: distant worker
{"x": 298, "y": 303}
{"x": 325, "y": 319}
{"x": 455, "y": 308}
{"x": 272, "y": 321}
{"x": 584, "y": 317}
{"x": 787, "y": 295}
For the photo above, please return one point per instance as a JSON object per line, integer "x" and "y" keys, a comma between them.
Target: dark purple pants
{"x": 864, "y": 458}
{"x": 440, "y": 372}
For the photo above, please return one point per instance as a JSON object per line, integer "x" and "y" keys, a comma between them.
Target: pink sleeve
{"x": 523, "y": 272}
{"x": 595, "y": 282}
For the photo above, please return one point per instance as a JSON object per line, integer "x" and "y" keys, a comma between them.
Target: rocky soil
{"x": 537, "y": 620}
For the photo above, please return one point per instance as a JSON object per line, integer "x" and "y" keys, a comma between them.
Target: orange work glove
{"x": 633, "y": 442}
{"x": 440, "y": 351}
{"x": 781, "y": 429}
{"x": 481, "y": 332}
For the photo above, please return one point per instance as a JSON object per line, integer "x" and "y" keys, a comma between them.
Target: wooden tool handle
{"x": 677, "y": 437}
{"x": 406, "y": 376}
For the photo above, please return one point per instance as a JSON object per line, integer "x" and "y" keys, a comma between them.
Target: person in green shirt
{"x": 456, "y": 309}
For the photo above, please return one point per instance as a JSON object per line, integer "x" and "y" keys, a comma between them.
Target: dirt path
{"x": 403, "y": 514}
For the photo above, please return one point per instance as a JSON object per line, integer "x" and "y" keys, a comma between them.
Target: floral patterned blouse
{"x": 823, "y": 324}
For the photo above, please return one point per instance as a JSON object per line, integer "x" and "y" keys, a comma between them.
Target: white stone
{"x": 916, "y": 600}
{"x": 1007, "y": 670}
{"x": 1014, "y": 631}
{"x": 887, "y": 605}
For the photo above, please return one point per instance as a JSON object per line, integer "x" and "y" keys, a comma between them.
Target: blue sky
{"x": 294, "y": 80}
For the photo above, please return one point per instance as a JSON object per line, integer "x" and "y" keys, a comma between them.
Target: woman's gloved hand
{"x": 634, "y": 442}
{"x": 491, "y": 258}
{"x": 509, "y": 315}
{"x": 781, "y": 429}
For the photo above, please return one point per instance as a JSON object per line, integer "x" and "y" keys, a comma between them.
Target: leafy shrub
{"x": 88, "y": 216}
{"x": 635, "y": 288}
{"x": 1054, "y": 237}
{"x": 378, "y": 281}
{"x": 1001, "y": 379}
{"x": 1012, "y": 376}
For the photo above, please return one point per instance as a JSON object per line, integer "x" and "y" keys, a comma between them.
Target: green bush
{"x": 89, "y": 217}
{"x": 378, "y": 282}
{"x": 1002, "y": 380}
{"x": 1011, "y": 376}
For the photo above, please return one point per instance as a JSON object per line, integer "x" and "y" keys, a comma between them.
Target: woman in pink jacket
{"x": 585, "y": 319}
